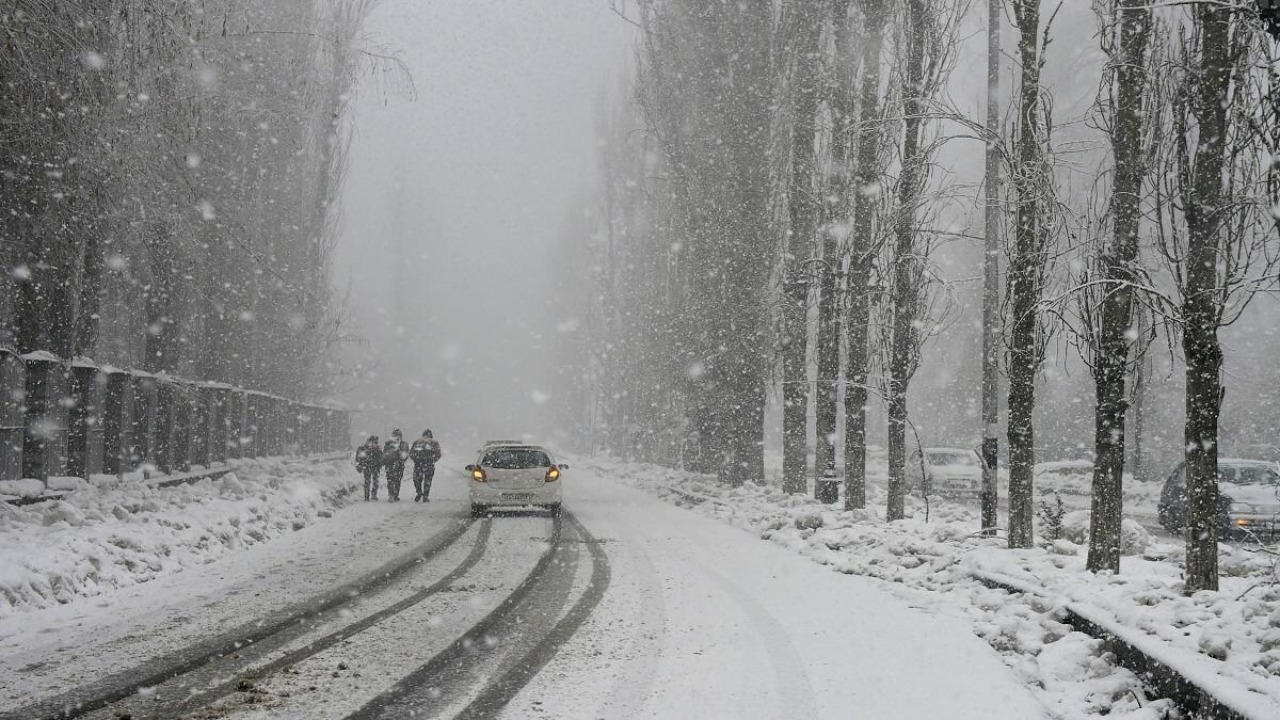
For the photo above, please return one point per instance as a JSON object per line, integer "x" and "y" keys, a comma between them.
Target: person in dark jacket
{"x": 369, "y": 464}
{"x": 425, "y": 452}
{"x": 394, "y": 455}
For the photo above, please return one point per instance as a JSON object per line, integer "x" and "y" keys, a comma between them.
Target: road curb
{"x": 1188, "y": 687}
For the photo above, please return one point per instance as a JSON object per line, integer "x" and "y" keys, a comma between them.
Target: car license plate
{"x": 517, "y": 496}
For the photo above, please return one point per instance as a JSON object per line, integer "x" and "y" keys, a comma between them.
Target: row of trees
{"x": 169, "y": 172}
{"x": 775, "y": 198}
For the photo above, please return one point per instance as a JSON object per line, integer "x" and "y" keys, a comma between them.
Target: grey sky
{"x": 474, "y": 179}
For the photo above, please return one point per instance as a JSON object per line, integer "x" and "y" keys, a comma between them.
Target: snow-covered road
{"x": 677, "y": 616}
{"x": 705, "y": 621}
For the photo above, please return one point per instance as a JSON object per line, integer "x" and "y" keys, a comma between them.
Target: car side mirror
{"x": 470, "y": 468}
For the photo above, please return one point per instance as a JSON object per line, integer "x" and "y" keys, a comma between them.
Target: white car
{"x": 515, "y": 475}
{"x": 945, "y": 471}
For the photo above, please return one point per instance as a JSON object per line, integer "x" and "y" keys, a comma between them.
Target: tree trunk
{"x": 1201, "y": 302}
{"x": 1138, "y": 407}
{"x": 795, "y": 384}
{"x": 826, "y": 390}
{"x": 861, "y": 254}
{"x": 991, "y": 282}
{"x": 1115, "y": 317}
{"x": 804, "y": 210}
{"x": 907, "y": 271}
{"x": 1026, "y": 268}
{"x": 746, "y": 130}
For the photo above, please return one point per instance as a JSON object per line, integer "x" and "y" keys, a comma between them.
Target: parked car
{"x": 1248, "y": 498}
{"x": 1068, "y": 477}
{"x": 515, "y": 475}
{"x": 945, "y": 471}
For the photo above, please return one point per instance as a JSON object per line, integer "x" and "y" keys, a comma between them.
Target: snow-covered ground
{"x": 1231, "y": 636}
{"x": 694, "y": 614}
{"x": 111, "y": 534}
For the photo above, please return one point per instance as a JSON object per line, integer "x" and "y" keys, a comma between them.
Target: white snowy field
{"x": 701, "y": 619}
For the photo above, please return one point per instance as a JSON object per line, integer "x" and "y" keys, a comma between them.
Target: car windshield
{"x": 1249, "y": 475}
{"x": 952, "y": 457}
{"x": 515, "y": 458}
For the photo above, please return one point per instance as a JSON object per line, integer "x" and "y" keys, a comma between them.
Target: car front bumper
{"x": 485, "y": 494}
{"x": 1245, "y": 525}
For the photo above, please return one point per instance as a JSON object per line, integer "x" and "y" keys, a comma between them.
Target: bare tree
{"x": 803, "y": 51}
{"x": 1124, "y": 32}
{"x": 862, "y": 250}
{"x": 928, "y": 54}
{"x": 1028, "y": 258}
{"x": 166, "y": 211}
{"x": 708, "y": 89}
{"x": 991, "y": 280}
{"x": 1214, "y": 227}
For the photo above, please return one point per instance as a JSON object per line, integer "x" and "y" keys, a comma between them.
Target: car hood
{"x": 957, "y": 471}
{"x": 1260, "y": 496}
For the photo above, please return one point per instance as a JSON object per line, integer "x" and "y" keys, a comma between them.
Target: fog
{"x": 452, "y": 202}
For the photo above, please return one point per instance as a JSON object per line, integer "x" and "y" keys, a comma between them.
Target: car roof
{"x": 516, "y": 446}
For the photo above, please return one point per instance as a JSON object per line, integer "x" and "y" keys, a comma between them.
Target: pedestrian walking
{"x": 369, "y": 464}
{"x": 425, "y": 452}
{"x": 394, "y": 455}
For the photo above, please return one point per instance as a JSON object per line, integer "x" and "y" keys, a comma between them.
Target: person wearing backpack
{"x": 424, "y": 453}
{"x": 369, "y": 464}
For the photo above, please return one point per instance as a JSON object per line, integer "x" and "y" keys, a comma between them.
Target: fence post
{"x": 293, "y": 429}
{"x": 166, "y": 425}
{"x": 144, "y": 439}
{"x": 275, "y": 422}
{"x": 117, "y": 422}
{"x": 219, "y": 423}
{"x": 253, "y": 403}
{"x": 240, "y": 424}
{"x": 86, "y": 414}
{"x": 48, "y": 387}
{"x": 198, "y": 414}
{"x": 13, "y": 390}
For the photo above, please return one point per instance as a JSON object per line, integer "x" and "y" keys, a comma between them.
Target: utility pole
{"x": 991, "y": 283}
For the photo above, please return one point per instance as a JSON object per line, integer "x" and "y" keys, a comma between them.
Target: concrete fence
{"x": 77, "y": 418}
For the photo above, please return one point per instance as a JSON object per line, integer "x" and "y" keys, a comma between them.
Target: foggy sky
{"x": 461, "y": 193}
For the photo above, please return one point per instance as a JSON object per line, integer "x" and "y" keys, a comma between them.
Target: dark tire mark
{"x": 491, "y": 701}
{"x": 412, "y": 694}
{"x": 86, "y": 699}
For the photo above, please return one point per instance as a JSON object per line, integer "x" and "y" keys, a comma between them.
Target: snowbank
{"x": 110, "y": 534}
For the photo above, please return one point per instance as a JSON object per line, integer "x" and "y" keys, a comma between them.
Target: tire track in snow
{"x": 494, "y": 698}
{"x": 196, "y": 701}
{"x": 448, "y": 678}
{"x": 436, "y": 684}
{"x": 81, "y": 701}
